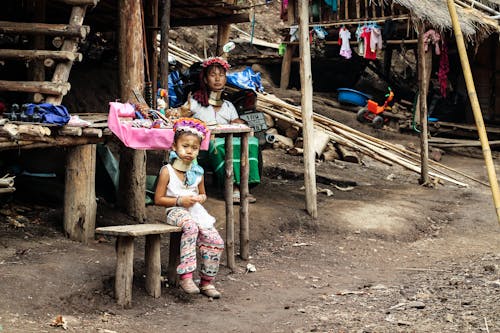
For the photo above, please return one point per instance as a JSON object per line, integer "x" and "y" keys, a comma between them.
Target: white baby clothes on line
{"x": 345, "y": 49}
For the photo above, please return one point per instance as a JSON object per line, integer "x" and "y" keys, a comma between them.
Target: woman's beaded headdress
{"x": 216, "y": 60}
{"x": 192, "y": 125}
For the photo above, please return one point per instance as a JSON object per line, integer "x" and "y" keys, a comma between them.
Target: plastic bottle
{"x": 23, "y": 117}
{"x": 37, "y": 118}
{"x": 14, "y": 109}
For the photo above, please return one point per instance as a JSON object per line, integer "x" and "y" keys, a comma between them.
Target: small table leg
{"x": 228, "y": 195}
{"x": 153, "y": 265}
{"x": 244, "y": 175}
{"x": 124, "y": 270}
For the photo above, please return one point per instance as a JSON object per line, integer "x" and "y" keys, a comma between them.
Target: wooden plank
{"x": 61, "y": 30}
{"x": 43, "y": 87}
{"x": 135, "y": 230}
{"x": 39, "y": 54}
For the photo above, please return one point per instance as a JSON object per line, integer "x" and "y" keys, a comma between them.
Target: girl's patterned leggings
{"x": 208, "y": 241}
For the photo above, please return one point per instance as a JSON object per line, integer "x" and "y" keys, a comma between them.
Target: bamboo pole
{"x": 307, "y": 109}
{"x": 476, "y": 108}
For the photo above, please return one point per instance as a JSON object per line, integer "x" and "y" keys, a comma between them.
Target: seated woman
{"x": 207, "y": 105}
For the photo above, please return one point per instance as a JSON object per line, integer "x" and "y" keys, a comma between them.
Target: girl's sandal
{"x": 189, "y": 286}
{"x": 210, "y": 291}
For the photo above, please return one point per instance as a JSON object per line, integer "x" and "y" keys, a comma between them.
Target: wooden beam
{"x": 80, "y": 2}
{"x": 65, "y": 30}
{"x": 44, "y": 87}
{"x": 62, "y": 70}
{"x": 39, "y": 54}
{"x": 307, "y": 109}
{"x": 216, "y": 20}
{"x": 223, "y": 31}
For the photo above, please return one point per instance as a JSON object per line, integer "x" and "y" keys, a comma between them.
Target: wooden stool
{"x": 125, "y": 235}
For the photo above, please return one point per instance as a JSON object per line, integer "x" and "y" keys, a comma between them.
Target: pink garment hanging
{"x": 432, "y": 37}
{"x": 369, "y": 54}
{"x": 444, "y": 68}
{"x": 375, "y": 39}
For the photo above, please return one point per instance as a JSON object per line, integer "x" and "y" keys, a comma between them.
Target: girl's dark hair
{"x": 179, "y": 134}
{"x": 201, "y": 95}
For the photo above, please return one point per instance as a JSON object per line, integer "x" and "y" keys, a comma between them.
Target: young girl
{"x": 181, "y": 189}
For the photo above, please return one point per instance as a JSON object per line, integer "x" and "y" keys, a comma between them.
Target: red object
{"x": 2, "y": 107}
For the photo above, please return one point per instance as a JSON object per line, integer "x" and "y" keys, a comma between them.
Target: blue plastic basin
{"x": 351, "y": 96}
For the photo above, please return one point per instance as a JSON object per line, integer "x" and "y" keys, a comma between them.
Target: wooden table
{"x": 243, "y": 132}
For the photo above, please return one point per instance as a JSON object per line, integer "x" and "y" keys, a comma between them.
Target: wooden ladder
{"x": 66, "y": 38}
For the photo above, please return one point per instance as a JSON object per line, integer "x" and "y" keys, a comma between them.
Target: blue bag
{"x": 175, "y": 90}
{"x": 50, "y": 113}
{"x": 246, "y": 79}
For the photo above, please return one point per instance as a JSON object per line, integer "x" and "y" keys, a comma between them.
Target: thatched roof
{"x": 475, "y": 24}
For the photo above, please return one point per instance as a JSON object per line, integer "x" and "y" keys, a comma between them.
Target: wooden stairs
{"x": 66, "y": 38}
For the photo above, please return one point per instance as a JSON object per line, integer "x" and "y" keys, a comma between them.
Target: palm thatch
{"x": 475, "y": 24}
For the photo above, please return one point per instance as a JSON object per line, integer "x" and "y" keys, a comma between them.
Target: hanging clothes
{"x": 345, "y": 49}
{"x": 432, "y": 37}
{"x": 360, "y": 48}
{"x": 331, "y": 3}
{"x": 375, "y": 39}
{"x": 366, "y": 35}
{"x": 444, "y": 68}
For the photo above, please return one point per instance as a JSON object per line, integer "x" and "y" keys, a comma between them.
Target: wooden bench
{"x": 125, "y": 235}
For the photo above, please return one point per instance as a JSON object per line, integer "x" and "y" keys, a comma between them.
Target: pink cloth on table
{"x": 141, "y": 138}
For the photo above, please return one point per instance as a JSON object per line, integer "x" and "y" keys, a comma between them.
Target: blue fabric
{"x": 174, "y": 89}
{"x": 194, "y": 171}
{"x": 332, "y": 4}
{"x": 246, "y": 79}
{"x": 50, "y": 113}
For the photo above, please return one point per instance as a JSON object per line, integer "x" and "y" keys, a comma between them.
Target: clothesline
{"x": 358, "y": 21}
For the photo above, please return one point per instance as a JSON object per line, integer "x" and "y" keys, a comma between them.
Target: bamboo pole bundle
{"x": 358, "y": 141}
{"x": 7, "y": 181}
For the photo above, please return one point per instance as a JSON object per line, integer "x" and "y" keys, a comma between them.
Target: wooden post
{"x": 424, "y": 71}
{"x": 124, "y": 274}
{"x": 358, "y": 9}
{"x": 62, "y": 71}
{"x": 244, "y": 174}
{"x": 307, "y": 109}
{"x": 152, "y": 23}
{"x": 152, "y": 260}
{"x": 476, "y": 108}
{"x": 79, "y": 193}
{"x": 223, "y": 31}
{"x": 165, "y": 28}
{"x": 366, "y": 8}
{"x": 286, "y": 64}
{"x": 132, "y": 189}
{"x": 346, "y": 4}
{"x": 228, "y": 196}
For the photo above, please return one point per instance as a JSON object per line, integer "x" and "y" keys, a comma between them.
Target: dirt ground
{"x": 384, "y": 255}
